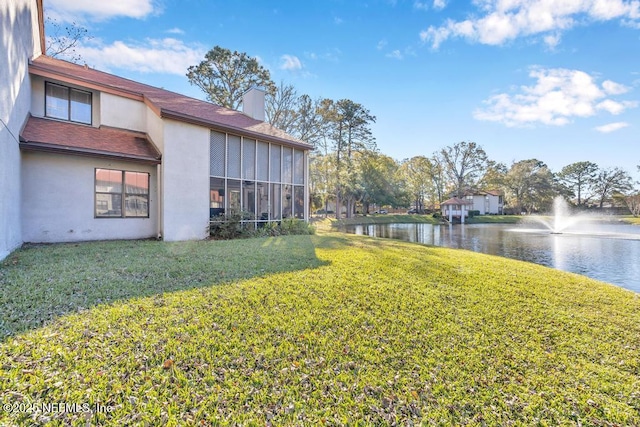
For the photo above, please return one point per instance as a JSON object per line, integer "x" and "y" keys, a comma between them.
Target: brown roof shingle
{"x": 51, "y": 135}
{"x": 171, "y": 105}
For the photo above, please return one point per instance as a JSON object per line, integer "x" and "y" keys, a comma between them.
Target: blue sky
{"x": 556, "y": 80}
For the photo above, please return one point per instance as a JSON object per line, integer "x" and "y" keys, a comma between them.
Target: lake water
{"x": 603, "y": 251}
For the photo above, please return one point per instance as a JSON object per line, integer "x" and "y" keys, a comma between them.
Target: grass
{"x": 327, "y": 329}
{"x": 631, "y": 219}
{"x": 495, "y": 219}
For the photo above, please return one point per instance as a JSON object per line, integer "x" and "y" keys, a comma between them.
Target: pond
{"x": 603, "y": 251}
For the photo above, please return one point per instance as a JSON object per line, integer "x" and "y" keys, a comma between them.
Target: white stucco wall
{"x": 185, "y": 164}
{"x": 19, "y": 41}
{"x": 59, "y": 198}
{"x": 124, "y": 113}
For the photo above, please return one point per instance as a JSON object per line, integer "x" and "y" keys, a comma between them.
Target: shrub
{"x": 236, "y": 226}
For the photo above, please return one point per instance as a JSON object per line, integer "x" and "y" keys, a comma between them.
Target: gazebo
{"x": 455, "y": 208}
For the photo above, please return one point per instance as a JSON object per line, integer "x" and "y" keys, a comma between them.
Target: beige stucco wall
{"x": 59, "y": 198}
{"x": 185, "y": 181}
{"x": 19, "y": 41}
{"x": 116, "y": 111}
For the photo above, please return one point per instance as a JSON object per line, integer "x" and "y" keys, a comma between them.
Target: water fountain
{"x": 562, "y": 218}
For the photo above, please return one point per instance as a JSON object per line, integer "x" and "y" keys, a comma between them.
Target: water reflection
{"x": 607, "y": 252}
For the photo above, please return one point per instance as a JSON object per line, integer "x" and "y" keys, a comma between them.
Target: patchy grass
{"x": 631, "y": 219}
{"x": 328, "y": 329}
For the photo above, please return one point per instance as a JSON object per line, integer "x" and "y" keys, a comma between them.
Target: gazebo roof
{"x": 456, "y": 201}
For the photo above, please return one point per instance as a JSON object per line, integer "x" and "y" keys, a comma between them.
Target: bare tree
{"x": 464, "y": 164}
{"x": 64, "y": 39}
{"x": 281, "y": 108}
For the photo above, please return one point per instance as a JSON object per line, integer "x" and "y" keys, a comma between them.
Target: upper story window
{"x": 65, "y": 103}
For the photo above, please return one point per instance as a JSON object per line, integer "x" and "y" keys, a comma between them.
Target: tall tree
{"x": 464, "y": 163}
{"x": 418, "y": 176}
{"x": 378, "y": 176}
{"x": 529, "y": 185}
{"x": 610, "y": 181}
{"x": 224, "y": 76}
{"x": 281, "y": 107}
{"x": 578, "y": 178}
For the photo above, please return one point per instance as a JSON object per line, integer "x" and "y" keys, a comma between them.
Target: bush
{"x": 236, "y": 226}
{"x": 474, "y": 213}
{"x": 437, "y": 215}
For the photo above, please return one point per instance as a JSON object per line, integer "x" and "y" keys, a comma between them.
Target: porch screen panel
{"x": 263, "y": 161}
{"x": 275, "y": 163}
{"x": 298, "y": 201}
{"x": 287, "y": 165}
{"x": 248, "y": 158}
{"x": 217, "y": 153}
{"x": 298, "y": 167}
{"x": 233, "y": 166}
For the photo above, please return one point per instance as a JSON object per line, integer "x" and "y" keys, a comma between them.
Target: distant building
{"x": 490, "y": 202}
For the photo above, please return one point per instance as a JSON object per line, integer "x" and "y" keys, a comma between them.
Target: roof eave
{"x": 174, "y": 115}
{"x": 59, "y": 149}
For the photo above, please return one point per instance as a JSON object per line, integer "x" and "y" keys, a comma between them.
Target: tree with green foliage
{"x": 378, "y": 175}
{"x": 578, "y": 178}
{"x": 418, "y": 176}
{"x": 529, "y": 185}
{"x": 224, "y": 76}
{"x": 610, "y": 181}
{"x": 464, "y": 164}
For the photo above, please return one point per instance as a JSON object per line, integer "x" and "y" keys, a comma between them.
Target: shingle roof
{"x": 170, "y": 104}
{"x": 56, "y": 136}
{"x": 456, "y": 201}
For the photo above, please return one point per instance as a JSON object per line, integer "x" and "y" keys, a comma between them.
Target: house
{"x": 456, "y": 208}
{"x": 488, "y": 202}
{"x": 88, "y": 155}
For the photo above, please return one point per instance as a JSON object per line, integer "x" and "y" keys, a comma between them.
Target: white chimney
{"x": 253, "y": 103}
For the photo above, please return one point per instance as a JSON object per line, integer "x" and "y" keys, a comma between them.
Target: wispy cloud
{"x": 337, "y": 20}
{"x": 501, "y": 21}
{"x": 73, "y": 10}
{"x": 420, "y": 5}
{"x": 611, "y": 127}
{"x": 167, "y": 55}
{"x": 381, "y": 44}
{"x": 558, "y": 96}
{"x": 175, "y": 30}
{"x": 396, "y": 54}
{"x": 439, "y": 4}
{"x": 290, "y": 62}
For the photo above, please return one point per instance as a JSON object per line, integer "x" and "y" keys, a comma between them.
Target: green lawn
{"x": 326, "y": 329}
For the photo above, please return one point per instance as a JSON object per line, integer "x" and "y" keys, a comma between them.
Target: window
{"x": 66, "y": 103}
{"x": 122, "y": 194}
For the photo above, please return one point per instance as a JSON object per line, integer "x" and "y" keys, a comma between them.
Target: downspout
{"x": 159, "y": 199}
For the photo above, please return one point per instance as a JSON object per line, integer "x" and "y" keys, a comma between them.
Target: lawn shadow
{"x": 40, "y": 283}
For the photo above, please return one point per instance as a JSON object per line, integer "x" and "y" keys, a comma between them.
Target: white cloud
{"x": 71, "y": 10}
{"x": 439, "y": 4}
{"x": 396, "y": 54}
{"x": 175, "y": 30}
{"x": 558, "y": 96}
{"x": 614, "y": 88}
{"x": 381, "y": 44}
{"x": 611, "y": 127}
{"x": 420, "y": 5}
{"x": 290, "y": 62}
{"x": 167, "y": 55}
{"x": 337, "y": 20}
{"x": 501, "y": 21}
